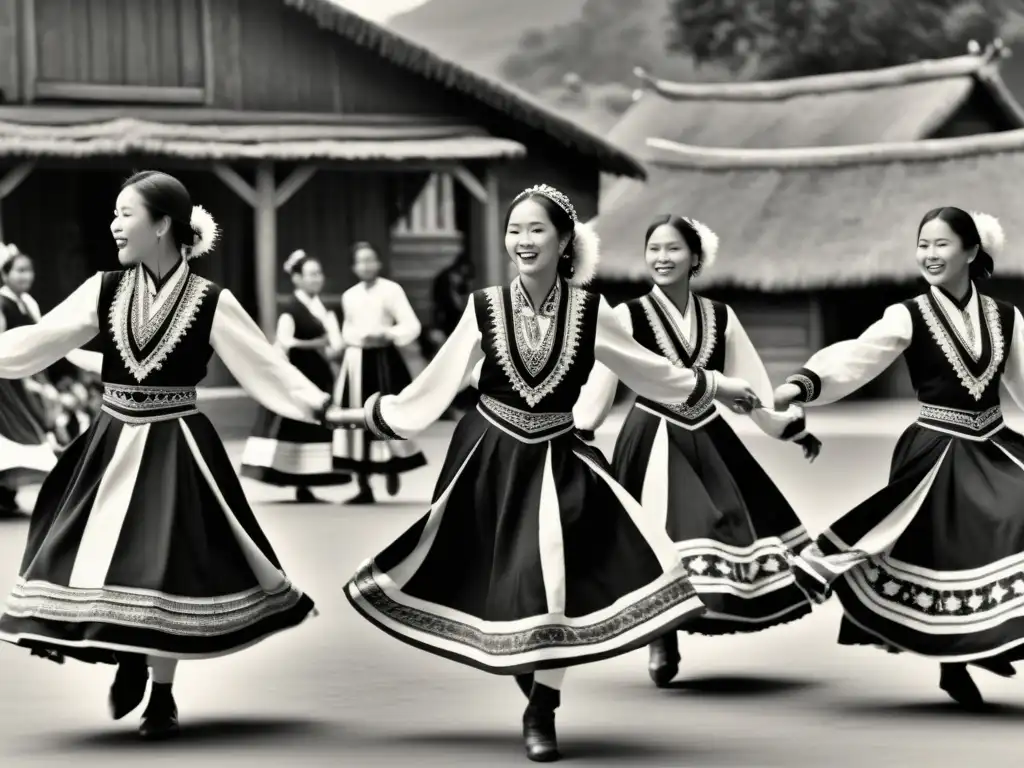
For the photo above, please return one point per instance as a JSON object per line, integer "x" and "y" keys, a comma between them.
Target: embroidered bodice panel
{"x": 691, "y": 339}
{"x": 306, "y": 325}
{"x": 942, "y": 367}
{"x": 538, "y": 366}
{"x": 14, "y": 316}
{"x": 310, "y": 361}
{"x": 156, "y": 337}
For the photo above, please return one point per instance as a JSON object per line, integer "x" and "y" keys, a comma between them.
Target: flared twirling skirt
{"x": 363, "y": 373}
{"x": 733, "y": 529}
{"x": 288, "y": 453}
{"x": 142, "y": 541}
{"x": 933, "y": 563}
{"x": 530, "y": 557}
{"x": 25, "y": 453}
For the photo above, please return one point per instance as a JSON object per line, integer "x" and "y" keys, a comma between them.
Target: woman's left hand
{"x": 811, "y": 446}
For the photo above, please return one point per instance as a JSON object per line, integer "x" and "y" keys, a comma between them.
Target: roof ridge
{"x": 495, "y": 93}
{"x": 967, "y": 65}
{"x": 670, "y": 154}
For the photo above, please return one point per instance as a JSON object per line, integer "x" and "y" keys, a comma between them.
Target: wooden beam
{"x": 470, "y": 182}
{"x": 236, "y": 183}
{"x": 130, "y": 94}
{"x": 266, "y": 247}
{"x": 296, "y": 180}
{"x": 29, "y": 51}
{"x": 13, "y": 178}
{"x": 495, "y": 259}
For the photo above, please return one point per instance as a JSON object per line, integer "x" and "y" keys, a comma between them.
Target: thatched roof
{"x": 509, "y": 102}
{"x": 903, "y": 103}
{"x": 193, "y": 135}
{"x": 811, "y": 218}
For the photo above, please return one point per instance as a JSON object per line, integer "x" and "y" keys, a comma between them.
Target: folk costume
{"x": 370, "y": 311}
{"x": 733, "y": 529}
{"x": 142, "y": 541}
{"x": 531, "y": 557}
{"x": 933, "y": 563}
{"x": 283, "y": 451}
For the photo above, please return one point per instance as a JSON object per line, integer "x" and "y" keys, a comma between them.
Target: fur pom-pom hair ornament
{"x": 991, "y": 231}
{"x": 708, "y": 244}
{"x": 293, "y": 260}
{"x": 587, "y": 246}
{"x": 206, "y": 233}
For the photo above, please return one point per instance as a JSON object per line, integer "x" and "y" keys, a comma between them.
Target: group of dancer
{"x": 535, "y": 554}
{"x": 349, "y": 358}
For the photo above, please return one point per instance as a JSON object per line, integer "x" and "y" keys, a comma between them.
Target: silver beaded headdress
{"x": 585, "y": 242}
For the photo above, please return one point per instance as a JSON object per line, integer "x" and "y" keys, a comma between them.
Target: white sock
{"x": 552, "y": 678}
{"x": 162, "y": 668}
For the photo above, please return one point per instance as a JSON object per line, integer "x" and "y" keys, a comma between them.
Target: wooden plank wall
{"x": 10, "y": 72}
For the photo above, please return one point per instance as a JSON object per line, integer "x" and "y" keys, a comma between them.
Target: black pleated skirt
{"x": 530, "y": 557}
{"x": 142, "y": 541}
{"x": 933, "y": 563}
{"x": 25, "y": 455}
{"x": 735, "y": 532}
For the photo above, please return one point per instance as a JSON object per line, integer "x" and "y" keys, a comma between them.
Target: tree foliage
{"x": 790, "y": 38}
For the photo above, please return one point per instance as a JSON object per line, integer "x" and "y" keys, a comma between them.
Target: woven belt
{"x": 144, "y": 405}
{"x": 973, "y": 425}
{"x": 526, "y": 426}
{"x": 687, "y": 417}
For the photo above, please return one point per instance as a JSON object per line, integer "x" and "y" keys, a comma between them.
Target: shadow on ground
{"x": 929, "y": 710}
{"x": 740, "y": 685}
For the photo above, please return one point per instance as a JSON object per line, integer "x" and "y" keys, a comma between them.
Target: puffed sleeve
{"x": 1013, "y": 374}
{"x": 284, "y": 335}
{"x": 645, "y": 372}
{"x": 424, "y": 401}
{"x": 842, "y": 368}
{"x": 29, "y": 349}
{"x": 262, "y": 369}
{"x": 598, "y": 395}
{"x": 743, "y": 362}
{"x": 407, "y": 326}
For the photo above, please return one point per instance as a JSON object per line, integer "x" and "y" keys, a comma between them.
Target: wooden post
{"x": 10, "y": 182}
{"x": 496, "y": 266}
{"x": 265, "y": 199}
{"x": 816, "y": 324}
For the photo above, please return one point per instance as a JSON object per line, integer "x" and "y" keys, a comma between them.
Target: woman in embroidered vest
{"x": 734, "y": 529}
{"x": 283, "y": 451}
{"x": 27, "y": 405}
{"x": 531, "y": 558}
{"x": 376, "y": 319}
{"x": 142, "y": 549}
{"x": 932, "y": 564}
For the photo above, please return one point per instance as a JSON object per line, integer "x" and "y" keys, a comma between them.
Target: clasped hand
{"x": 736, "y": 395}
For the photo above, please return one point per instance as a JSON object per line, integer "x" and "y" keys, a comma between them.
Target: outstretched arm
{"x": 262, "y": 369}
{"x": 598, "y": 394}
{"x": 1013, "y": 374}
{"x": 424, "y": 401}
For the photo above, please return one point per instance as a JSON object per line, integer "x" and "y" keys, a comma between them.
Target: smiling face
{"x": 532, "y": 241}
{"x": 310, "y": 279}
{"x": 21, "y": 274}
{"x": 134, "y": 229}
{"x": 941, "y": 256}
{"x": 668, "y": 257}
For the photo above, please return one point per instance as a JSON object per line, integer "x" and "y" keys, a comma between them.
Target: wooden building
{"x": 815, "y": 186}
{"x": 296, "y": 123}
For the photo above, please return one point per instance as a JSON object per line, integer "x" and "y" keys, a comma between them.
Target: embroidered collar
{"x": 313, "y": 304}
{"x": 668, "y": 324}
{"x": 974, "y": 373}
{"x": 523, "y": 303}
{"x": 961, "y": 304}
{"x": 156, "y": 284}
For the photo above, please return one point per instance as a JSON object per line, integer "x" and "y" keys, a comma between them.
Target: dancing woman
{"x": 531, "y": 558}
{"x": 734, "y": 529}
{"x": 933, "y": 563}
{"x": 142, "y": 549}
{"x": 283, "y": 451}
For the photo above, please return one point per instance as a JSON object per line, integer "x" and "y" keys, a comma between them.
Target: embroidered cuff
{"x": 809, "y": 384}
{"x": 705, "y": 388}
{"x": 375, "y": 423}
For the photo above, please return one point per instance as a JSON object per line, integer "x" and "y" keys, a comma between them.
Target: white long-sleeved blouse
{"x": 263, "y": 371}
{"x": 285, "y": 332}
{"x": 378, "y": 309}
{"x": 429, "y": 395}
{"x": 80, "y": 358}
{"x": 741, "y": 361}
{"x": 846, "y": 366}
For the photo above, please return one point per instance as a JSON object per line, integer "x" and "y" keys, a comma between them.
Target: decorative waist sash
{"x": 688, "y": 417}
{"x": 972, "y": 425}
{"x": 134, "y": 404}
{"x": 525, "y": 426}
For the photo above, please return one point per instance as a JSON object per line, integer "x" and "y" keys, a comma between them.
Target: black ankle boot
{"x": 160, "y": 720}
{"x": 525, "y": 683}
{"x": 539, "y": 724}
{"x": 663, "y": 665}
{"x": 129, "y": 686}
{"x": 957, "y": 682}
